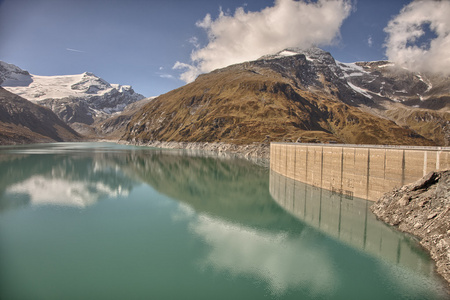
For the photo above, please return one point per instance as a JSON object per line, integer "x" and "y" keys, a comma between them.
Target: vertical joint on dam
{"x": 403, "y": 169}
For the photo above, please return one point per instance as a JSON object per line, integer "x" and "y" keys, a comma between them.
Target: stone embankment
{"x": 423, "y": 210}
{"x": 253, "y": 151}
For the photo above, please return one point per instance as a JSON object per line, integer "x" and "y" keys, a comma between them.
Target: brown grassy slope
{"x": 243, "y": 104}
{"x": 419, "y": 101}
{"x": 434, "y": 125}
{"x": 24, "y": 122}
{"x": 114, "y": 127}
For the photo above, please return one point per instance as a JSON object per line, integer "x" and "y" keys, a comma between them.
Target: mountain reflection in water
{"x": 171, "y": 224}
{"x": 48, "y": 176}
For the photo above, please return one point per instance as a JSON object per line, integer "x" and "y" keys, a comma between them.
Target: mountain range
{"x": 301, "y": 95}
{"x": 293, "y": 95}
{"x": 82, "y": 98}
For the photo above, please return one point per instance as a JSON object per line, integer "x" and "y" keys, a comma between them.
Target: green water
{"x": 103, "y": 221}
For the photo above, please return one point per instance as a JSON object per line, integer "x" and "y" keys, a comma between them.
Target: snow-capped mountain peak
{"x": 12, "y": 75}
{"x": 37, "y": 87}
{"x": 366, "y": 81}
{"x": 91, "y": 84}
{"x": 65, "y": 94}
{"x": 311, "y": 54}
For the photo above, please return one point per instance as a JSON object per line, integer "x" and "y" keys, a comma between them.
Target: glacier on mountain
{"x": 65, "y": 94}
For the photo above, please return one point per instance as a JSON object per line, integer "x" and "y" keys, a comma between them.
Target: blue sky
{"x": 138, "y": 42}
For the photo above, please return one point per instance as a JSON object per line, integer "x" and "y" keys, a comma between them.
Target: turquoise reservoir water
{"x": 103, "y": 221}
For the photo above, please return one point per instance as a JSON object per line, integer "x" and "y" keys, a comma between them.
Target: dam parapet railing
{"x": 363, "y": 171}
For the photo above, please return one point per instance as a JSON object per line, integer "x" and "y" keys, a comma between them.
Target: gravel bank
{"x": 422, "y": 209}
{"x": 257, "y": 152}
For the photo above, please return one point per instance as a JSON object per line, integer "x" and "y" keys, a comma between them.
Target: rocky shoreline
{"x": 253, "y": 151}
{"x": 423, "y": 210}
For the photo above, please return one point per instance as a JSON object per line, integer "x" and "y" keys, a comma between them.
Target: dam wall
{"x": 365, "y": 172}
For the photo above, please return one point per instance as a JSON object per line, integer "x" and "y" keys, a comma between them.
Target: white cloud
{"x": 405, "y": 29}
{"x": 167, "y": 76}
{"x": 250, "y": 35}
{"x": 75, "y": 50}
{"x": 194, "y": 41}
{"x": 191, "y": 71}
{"x": 163, "y": 74}
{"x": 370, "y": 41}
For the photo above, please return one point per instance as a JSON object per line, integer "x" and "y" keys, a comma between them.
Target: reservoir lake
{"x": 108, "y": 221}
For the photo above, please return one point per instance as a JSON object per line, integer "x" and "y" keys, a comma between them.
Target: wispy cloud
{"x": 75, "y": 50}
{"x": 194, "y": 41}
{"x": 164, "y": 74}
{"x": 370, "y": 41}
{"x": 167, "y": 76}
{"x": 406, "y": 29}
{"x": 250, "y": 35}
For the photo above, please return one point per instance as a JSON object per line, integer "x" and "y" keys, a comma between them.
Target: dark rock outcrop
{"x": 23, "y": 122}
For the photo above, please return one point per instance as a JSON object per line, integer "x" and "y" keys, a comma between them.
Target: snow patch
{"x": 420, "y": 97}
{"x": 360, "y": 90}
{"x": 351, "y": 69}
{"x": 309, "y": 58}
{"x": 386, "y": 65}
{"x": 287, "y": 53}
{"x": 311, "y": 54}
{"x": 401, "y": 91}
{"x": 56, "y": 87}
{"x": 378, "y": 94}
{"x": 429, "y": 85}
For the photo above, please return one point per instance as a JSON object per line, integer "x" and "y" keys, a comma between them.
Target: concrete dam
{"x": 360, "y": 171}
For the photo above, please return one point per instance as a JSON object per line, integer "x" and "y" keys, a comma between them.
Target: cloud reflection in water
{"x": 64, "y": 192}
{"x": 272, "y": 257}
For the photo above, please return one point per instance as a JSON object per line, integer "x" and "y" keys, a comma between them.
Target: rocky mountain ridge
{"x": 82, "y": 98}
{"x": 300, "y": 94}
{"x": 376, "y": 80}
{"x": 292, "y": 95}
{"x": 113, "y": 127}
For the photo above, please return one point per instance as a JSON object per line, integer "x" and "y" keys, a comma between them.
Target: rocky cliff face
{"x": 292, "y": 95}
{"x": 24, "y": 122}
{"x": 422, "y": 209}
{"x": 82, "y": 98}
{"x": 10, "y": 74}
{"x": 412, "y": 100}
{"x": 115, "y": 126}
